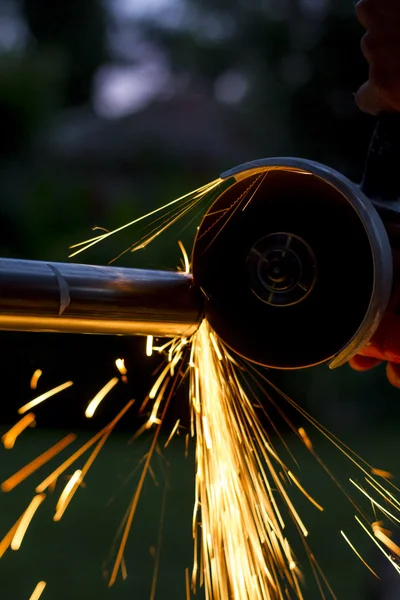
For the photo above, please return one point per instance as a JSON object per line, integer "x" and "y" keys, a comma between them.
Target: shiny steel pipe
{"x": 76, "y": 298}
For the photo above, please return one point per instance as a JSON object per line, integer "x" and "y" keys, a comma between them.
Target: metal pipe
{"x": 76, "y": 298}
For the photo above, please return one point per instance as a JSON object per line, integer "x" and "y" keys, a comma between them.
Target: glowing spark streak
{"x": 382, "y": 537}
{"x": 199, "y": 192}
{"x": 66, "y": 464}
{"x": 191, "y": 363}
{"x": 334, "y": 440}
{"x": 36, "y": 463}
{"x": 67, "y": 491}
{"x": 207, "y": 435}
{"x": 94, "y": 403}
{"x": 243, "y": 553}
{"x": 7, "y": 539}
{"x": 124, "y": 571}
{"x": 172, "y": 348}
{"x": 185, "y": 257}
{"x": 305, "y": 438}
{"x": 44, "y": 397}
{"x": 120, "y": 364}
{"x": 390, "y": 559}
{"x": 296, "y": 481}
{"x": 136, "y": 496}
{"x": 171, "y": 435}
{"x": 149, "y": 345}
{"x": 384, "y": 493}
{"x": 262, "y": 178}
{"x": 25, "y": 521}
{"x": 9, "y": 438}
{"x": 163, "y": 347}
{"x": 81, "y": 475}
{"x": 153, "y": 417}
{"x": 155, "y": 388}
{"x": 38, "y": 591}
{"x": 232, "y": 210}
{"x": 168, "y": 219}
{"x": 316, "y": 566}
{"x": 359, "y": 555}
{"x": 167, "y": 224}
{"x": 187, "y": 584}
{"x": 186, "y": 445}
{"x": 383, "y": 474}
{"x": 214, "y": 343}
{"x": 35, "y": 379}
{"x": 177, "y": 355}
{"x": 374, "y": 501}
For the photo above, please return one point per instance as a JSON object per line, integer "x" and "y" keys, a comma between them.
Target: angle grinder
{"x": 298, "y": 265}
{"x": 293, "y": 265}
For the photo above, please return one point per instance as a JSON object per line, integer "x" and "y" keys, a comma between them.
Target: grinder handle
{"x": 381, "y": 180}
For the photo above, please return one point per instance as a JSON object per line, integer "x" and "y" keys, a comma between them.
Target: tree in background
{"x": 77, "y": 32}
{"x": 288, "y": 68}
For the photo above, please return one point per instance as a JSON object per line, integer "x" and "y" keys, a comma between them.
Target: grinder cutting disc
{"x": 287, "y": 262}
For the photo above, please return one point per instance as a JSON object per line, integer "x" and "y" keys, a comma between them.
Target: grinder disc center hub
{"x": 282, "y": 269}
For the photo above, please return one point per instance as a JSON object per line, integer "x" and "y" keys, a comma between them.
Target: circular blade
{"x": 286, "y": 266}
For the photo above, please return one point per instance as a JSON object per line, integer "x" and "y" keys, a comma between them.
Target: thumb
{"x": 368, "y": 100}
{"x": 363, "y": 363}
{"x": 393, "y": 374}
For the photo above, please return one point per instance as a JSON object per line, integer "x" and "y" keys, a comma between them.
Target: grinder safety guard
{"x": 293, "y": 265}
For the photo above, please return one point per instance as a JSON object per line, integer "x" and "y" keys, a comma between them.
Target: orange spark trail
{"x": 94, "y": 403}
{"x": 25, "y": 521}
{"x": 37, "y": 592}
{"x": 10, "y": 437}
{"x": 44, "y": 397}
{"x": 36, "y": 463}
{"x": 120, "y": 364}
{"x": 66, "y": 493}
{"x": 35, "y": 379}
{"x": 64, "y": 466}
{"x": 136, "y": 496}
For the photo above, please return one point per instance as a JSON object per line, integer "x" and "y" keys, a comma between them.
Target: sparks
{"x": 149, "y": 345}
{"x": 25, "y": 521}
{"x": 192, "y": 197}
{"x": 10, "y": 437}
{"x": 120, "y": 364}
{"x": 171, "y": 435}
{"x": 38, "y": 591}
{"x": 35, "y": 379}
{"x": 44, "y": 397}
{"x": 358, "y": 554}
{"x": 70, "y": 461}
{"x": 243, "y": 548}
{"x": 36, "y": 463}
{"x": 186, "y": 263}
{"x": 67, "y": 491}
{"x": 94, "y": 403}
{"x": 384, "y": 536}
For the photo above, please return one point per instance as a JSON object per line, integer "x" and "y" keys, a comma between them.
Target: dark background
{"x": 107, "y": 111}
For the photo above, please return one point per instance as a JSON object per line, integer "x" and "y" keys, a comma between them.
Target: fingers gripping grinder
{"x": 299, "y": 266}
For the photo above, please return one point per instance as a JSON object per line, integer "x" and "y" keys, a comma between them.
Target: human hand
{"x": 384, "y": 345}
{"x": 381, "y": 47}
{"x": 365, "y": 363}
